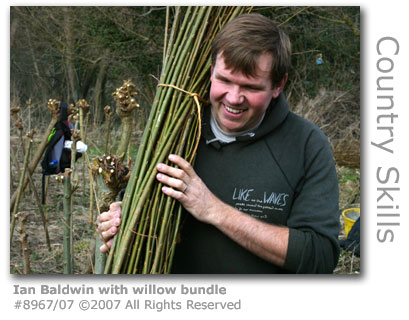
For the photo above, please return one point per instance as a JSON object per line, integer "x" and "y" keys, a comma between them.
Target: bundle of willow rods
{"x": 146, "y": 240}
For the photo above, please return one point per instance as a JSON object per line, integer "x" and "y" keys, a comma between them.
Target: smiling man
{"x": 263, "y": 194}
{"x": 240, "y": 101}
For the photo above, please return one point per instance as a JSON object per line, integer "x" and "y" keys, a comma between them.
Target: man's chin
{"x": 231, "y": 129}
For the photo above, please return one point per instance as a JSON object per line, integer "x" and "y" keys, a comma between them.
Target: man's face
{"x": 238, "y": 101}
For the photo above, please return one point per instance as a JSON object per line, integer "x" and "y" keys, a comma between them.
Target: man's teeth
{"x": 235, "y": 111}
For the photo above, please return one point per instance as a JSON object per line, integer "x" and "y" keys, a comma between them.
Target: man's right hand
{"x": 108, "y": 223}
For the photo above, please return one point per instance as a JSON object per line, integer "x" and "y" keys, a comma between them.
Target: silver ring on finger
{"x": 184, "y": 190}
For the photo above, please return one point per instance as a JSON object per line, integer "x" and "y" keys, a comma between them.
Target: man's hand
{"x": 108, "y": 223}
{"x": 268, "y": 241}
{"x": 186, "y": 186}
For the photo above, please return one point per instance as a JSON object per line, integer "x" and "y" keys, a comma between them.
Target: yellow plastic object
{"x": 350, "y": 216}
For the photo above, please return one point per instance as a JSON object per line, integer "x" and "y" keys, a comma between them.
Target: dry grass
{"x": 43, "y": 260}
{"x": 337, "y": 114}
{"x": 348, "y": 263}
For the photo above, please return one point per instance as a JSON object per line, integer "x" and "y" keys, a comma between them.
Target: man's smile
{"x": 233, "y": 110}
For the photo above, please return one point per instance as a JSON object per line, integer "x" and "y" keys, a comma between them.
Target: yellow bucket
{"x": 350, "y": 216}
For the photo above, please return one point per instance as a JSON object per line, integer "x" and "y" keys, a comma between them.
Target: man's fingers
{"x": 108, "y": 234}
{"x": 115, "y": 206}
{"x": 178, "y": 195}
{"x": 171, "y": 182}
{"x": 113, "y": 213}
{"x": 106, "y": 246}
{"x": 183, "y": 164}
{"x": 107, "y": 225}
{"x": 172, "y": 172}
{"x": 177, "y": 178}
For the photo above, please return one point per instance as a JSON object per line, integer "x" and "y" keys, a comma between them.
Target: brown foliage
{"x": 337, "y": 114}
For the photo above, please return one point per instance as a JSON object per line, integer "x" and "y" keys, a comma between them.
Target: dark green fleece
{"x": 284, "y": 174}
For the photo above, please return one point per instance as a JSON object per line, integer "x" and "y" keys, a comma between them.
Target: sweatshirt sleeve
{"x": 314, "y": 219}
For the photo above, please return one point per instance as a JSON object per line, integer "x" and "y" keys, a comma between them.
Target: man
{"x": 263, "y": 194}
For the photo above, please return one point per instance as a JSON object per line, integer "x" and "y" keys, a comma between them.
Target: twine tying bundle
{"x": 196, "y": 98}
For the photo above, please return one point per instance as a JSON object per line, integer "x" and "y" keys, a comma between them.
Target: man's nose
{"x": 234, "y": 96}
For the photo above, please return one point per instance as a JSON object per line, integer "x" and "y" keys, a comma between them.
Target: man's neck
{"x": 227, "y": 137}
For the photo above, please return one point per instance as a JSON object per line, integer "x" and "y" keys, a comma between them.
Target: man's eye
{"x": 252, "y": 88}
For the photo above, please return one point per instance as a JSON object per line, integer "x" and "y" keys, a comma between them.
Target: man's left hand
{"x": 185, "y": 185}
{"x": 268, "y": 241}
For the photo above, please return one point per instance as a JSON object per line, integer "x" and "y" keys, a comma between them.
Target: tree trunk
{"x": 99, "y": 88}
{"x": 69, "y": 55}
{"x": 37, "y": 69}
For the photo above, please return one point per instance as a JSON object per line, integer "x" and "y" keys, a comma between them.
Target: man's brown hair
{"x": 245, "y": 38}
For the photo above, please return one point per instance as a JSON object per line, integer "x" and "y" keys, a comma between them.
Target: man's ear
{"x": 211, "y": 72}
{"x": 277, "y": 90}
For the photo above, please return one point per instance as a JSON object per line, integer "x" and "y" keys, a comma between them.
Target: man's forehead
{"x": 262, "y": 63}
